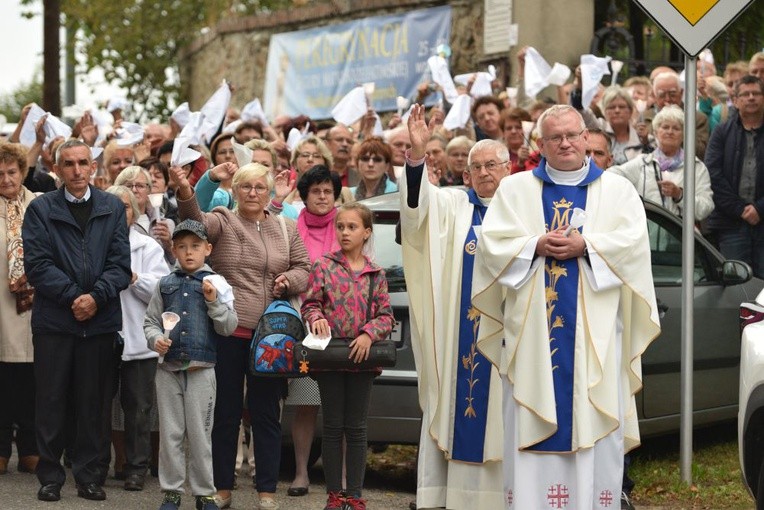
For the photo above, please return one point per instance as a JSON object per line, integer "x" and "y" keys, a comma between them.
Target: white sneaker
{"x": 267, "y": 504}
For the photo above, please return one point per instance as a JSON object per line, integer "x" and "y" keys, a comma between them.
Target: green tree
{"x": 136, "y": 42}
{"x": 12, "y": 102}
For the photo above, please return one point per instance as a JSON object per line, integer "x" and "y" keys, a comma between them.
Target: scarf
{"x": 360, "y": 191}
{"x": 17, "y": 280}
{"x": 669, "y": 163}
{"x": 318, "y": 233}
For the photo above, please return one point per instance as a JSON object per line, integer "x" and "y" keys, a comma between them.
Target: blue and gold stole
{"x": 561, "y": 292}
{"x": 473, "y": 372}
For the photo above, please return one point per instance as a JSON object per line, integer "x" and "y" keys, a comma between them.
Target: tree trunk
{"x": 51, "y": 88}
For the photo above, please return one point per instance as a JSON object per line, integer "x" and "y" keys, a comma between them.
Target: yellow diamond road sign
{"x": 693, "y": 24}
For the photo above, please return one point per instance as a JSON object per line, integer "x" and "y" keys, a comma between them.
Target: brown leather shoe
{"x": 3, "y": 465}
{"x": 28, "y": 464}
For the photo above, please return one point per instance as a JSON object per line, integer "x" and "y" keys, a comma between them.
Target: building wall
{"x": 237, "y": 48}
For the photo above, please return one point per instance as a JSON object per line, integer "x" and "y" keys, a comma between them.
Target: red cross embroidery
{"x": 510, "y": 497}
{"x": 557, "y": 495}
{"x": 606, "y": 498}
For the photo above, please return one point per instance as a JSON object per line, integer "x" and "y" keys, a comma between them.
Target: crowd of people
{"x": 103, "y": 237}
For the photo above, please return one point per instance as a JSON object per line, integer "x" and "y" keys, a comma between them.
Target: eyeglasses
{"x": 750, "y": 93}
{"x": 557, "y": 139}
{"x": 370, "y": 158}
{"x": 247, "y": 189}
{"x": 489, "y": 167}
{"x": 664, "y": 93}
{"x": 136, "y": 185}
{"x": 307, "y": 155}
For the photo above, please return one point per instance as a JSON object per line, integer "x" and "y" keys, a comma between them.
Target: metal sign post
{"x": 688, "y": 269}
{"x": 692, "y": 25}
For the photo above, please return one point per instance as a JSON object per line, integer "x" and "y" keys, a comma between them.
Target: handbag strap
{"x": 368, "y": 303}
{"x": 282, "y": 223}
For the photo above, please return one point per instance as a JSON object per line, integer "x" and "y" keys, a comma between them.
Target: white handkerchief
{"x": 53, "y": 127}
{"x": 225, "y": 291}
{"x": 243, "y": 153}
{"x": 231, "y": 127}
{"x": 536, "y": 72}
{"x": 181, "y": 115}
{"x": 350, "y": 108}
{"x": 402, "y": 103}
{"x": 592, "y": 70}
{"x": 559, "y": 74}
{"x": 459, "y": 113}
{"x": 294, "y": 138}
{"x": 181, "y": 153}
{"x": 254, "y": 111}
{"x": 316, "y": 343}
{"x": 95, "y": 152}
{"x": 214, "y": 111}
{"x": 117, "y": 103}
{"x": 378, "y": 131}
{"x": 442, "y": 76}
{"x": 129, "y": 133}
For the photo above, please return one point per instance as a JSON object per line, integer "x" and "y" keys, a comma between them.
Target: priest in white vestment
{"x": 460, "y": 391}
{"x": 564, "y": 285}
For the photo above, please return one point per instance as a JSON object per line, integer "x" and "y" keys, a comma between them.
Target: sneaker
{"x": 206, "y": 503}
{"x": 171, "y": 501}
{"x": 352, "y": 503}
{"x": 267, "y": 504}
{"x": 626, "y": 503}
{"x": 335, "y": 501}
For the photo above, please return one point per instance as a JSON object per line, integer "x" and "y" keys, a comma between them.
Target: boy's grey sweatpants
{"x": 186, "y": 402}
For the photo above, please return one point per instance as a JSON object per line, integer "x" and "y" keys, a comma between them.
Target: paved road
{"x": 18, "y": 491}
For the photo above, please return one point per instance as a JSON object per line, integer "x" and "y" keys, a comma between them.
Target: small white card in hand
{"x": 316, "y": 343}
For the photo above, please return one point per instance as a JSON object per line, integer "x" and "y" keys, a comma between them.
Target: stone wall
{"x": 237, "y": 48}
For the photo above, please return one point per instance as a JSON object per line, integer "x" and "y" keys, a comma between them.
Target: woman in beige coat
{"x": 16, "y": 353}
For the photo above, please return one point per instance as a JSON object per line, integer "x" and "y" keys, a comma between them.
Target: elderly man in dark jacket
{"x": 77, "y": 257}
{"x": 735, "y": 161}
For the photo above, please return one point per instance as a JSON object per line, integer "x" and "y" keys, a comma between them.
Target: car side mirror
{"x": 735, "y": 272}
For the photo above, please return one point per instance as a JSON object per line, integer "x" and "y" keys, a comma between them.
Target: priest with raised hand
{"x": 564, "y": 285}
{"x": 460, "y": 449}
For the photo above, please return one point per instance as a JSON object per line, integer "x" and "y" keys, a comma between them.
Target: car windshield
{"x": 387, "y": 253}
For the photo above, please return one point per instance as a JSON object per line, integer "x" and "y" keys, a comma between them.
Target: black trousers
{"x": 76, "y": 371}
{"x": 264, "y": 395}
{"x": 17, "y": 407}
{"x": 137, "y": 398}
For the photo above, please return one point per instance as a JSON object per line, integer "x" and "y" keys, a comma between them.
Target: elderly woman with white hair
{"x": 149, "y": 220}
{"x": 659, "y": 176}
{"x": 618, "y": 107}
{"x": 263, "y": 258}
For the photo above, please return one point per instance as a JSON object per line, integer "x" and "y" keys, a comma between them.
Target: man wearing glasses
{"x": 668, "y": 90}
{"x": 563, "y": 284}
{"x": 735, "y": 161}
{"x": 460, "y": 447}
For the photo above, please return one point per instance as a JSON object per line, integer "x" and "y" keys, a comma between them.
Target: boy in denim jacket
{"x": 185, "y": 383}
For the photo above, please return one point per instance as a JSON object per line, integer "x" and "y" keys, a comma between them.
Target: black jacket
{"x": 62, "y": 262}
{"x": 724, "y": 159}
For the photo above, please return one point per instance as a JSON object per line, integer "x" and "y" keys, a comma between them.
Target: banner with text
{"x": 309, "y": 71}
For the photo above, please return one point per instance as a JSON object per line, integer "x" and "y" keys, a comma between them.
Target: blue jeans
{"x": 746, "y": 243}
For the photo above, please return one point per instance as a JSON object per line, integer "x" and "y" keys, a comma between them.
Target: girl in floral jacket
{"x": 337, "y": 304}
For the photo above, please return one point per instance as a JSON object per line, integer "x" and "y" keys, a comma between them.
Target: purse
{"x": 335, "y": 356}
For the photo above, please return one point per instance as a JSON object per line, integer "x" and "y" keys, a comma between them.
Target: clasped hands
{"x": 559, "y": 246}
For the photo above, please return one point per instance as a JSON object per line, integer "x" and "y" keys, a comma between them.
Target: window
{"x": 666, "y": 251}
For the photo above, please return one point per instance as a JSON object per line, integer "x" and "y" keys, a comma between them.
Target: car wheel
{"x": 760, "y": 488}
